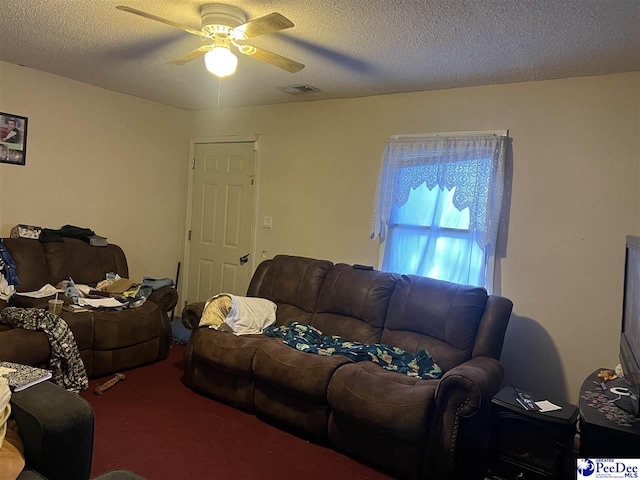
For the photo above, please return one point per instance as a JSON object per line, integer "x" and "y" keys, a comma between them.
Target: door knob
{"x": 244, "y": 259}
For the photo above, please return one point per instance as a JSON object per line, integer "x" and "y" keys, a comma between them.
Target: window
{"x": 438, "y": 206}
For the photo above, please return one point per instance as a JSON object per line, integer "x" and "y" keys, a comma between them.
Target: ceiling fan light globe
{"x": 221, "y": 62}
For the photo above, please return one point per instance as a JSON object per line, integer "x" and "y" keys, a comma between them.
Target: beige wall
{"x": 118, "y": 164}
{"x": 576, "y": 194}
{"x": 97, "y": 159}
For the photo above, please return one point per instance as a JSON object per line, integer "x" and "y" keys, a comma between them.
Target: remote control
{"x": 362, "y": 267}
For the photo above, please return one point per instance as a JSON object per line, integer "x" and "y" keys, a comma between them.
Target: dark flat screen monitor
{"x": 630, "y": 336}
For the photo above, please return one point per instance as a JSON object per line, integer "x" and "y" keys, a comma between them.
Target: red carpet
{"x": 153, "y": 425}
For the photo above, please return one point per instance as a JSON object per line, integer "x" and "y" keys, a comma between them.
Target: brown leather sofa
{"x": 109, "y": 341}
{"x": 408, "y": 427}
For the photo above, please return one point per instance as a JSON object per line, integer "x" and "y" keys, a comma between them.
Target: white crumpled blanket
{"x": 247, "y": 315}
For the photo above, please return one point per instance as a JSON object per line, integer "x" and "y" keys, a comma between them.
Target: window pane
{"x": 429, "y": 236}
{"x": 434, "y": 253}
{"x": 457, "y": 260}
{"x": 420, "y": 208}
{"x": 405, "y": 250}
{"x": 452, "y": 217}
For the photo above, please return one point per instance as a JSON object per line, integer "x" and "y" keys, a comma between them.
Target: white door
{"x": 221, "y": 220}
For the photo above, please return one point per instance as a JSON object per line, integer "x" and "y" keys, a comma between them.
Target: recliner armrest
{"x": 56, "y": 427}
{"x": 469, "y": 384}
{"x": 191, "y": 315}
{"x": 463, "y": 408}
{"x": 165, "y": 297}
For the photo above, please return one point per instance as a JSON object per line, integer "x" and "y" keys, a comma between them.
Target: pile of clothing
{"x": 65, "y": 363}
{"x": 239, "y": 315}
{"x": 8, "y": 278}
{"x": 127, "y": 292}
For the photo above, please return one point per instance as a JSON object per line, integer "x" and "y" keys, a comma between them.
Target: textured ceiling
{"x": 351, "y": 48}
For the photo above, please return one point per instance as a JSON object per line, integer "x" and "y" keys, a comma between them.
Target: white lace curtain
{"x": 473, "y": 164}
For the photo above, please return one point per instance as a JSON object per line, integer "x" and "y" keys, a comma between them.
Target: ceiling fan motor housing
{"x": 219, "y": 18}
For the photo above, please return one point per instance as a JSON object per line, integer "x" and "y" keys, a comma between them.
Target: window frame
{"x": 428, "y": 156}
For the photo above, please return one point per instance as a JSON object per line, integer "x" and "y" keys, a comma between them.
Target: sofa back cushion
{"x": 437, "y": 316}
{"x": 31, "y": 264}
{"x": 353, "y": 303}
{"x": 293, "y": 283}
{"x": 40, "y": 263}
{"x": 85, "y": 264}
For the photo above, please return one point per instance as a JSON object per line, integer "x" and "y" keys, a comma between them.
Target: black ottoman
{"x": 56, "y": 427}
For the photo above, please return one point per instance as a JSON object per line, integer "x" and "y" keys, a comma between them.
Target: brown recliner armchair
{"x": 108, "y": 340}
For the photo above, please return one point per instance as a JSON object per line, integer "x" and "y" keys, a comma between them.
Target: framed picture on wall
{"x": 13, "y": 139}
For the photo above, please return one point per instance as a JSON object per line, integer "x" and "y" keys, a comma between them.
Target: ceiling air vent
{"x": 299, "y": 89}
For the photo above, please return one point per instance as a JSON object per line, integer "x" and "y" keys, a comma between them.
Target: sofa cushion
{"x": 388, "y": 403}
{"x": 219, "y": 364}
{"x": 436, "y": 316}
{"x": 353, "y": 303}
{"x": 39, "y": 263}
{"x": 226, "y": 351}
{"x": 300, "y": 374}
{"x": 84, "y": 263}
{"x": 293, "y": 283}
{"x": 126, "y": 327}
{"x": 24, "y": 346}
{"x": 31, "y": 265}
{"x": 81, "y": 325}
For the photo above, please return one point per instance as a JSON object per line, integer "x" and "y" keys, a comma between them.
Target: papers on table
{"x": 49, "y": 290}
{"x": 547, "y": 406}
{"x": 84, "y": 289}
{"x": 106, "y": 302}
{"x": 45, "y": 291}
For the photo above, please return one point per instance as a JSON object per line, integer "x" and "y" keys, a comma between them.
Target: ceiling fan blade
{"x": 267, "y": 24}
{"x": 272, "y": 58}
{"x": 192, "y": 55}
{"x": 162, "y": 20}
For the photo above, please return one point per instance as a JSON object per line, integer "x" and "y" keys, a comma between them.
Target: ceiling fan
{"x": 226, "y": 26}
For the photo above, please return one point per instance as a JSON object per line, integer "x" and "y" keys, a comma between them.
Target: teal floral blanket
{"x": 306, "y": 338}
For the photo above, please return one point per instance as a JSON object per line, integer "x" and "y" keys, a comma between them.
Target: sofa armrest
{"x": 165, "y": 297}
{"x": 191, "y": 315}
{"x": 469, "y": 384}
{"x": 463, "y": 407}
{"x": 56, "y": 427}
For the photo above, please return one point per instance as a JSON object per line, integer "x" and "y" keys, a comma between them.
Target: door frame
{"x": 254, "y": 139}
